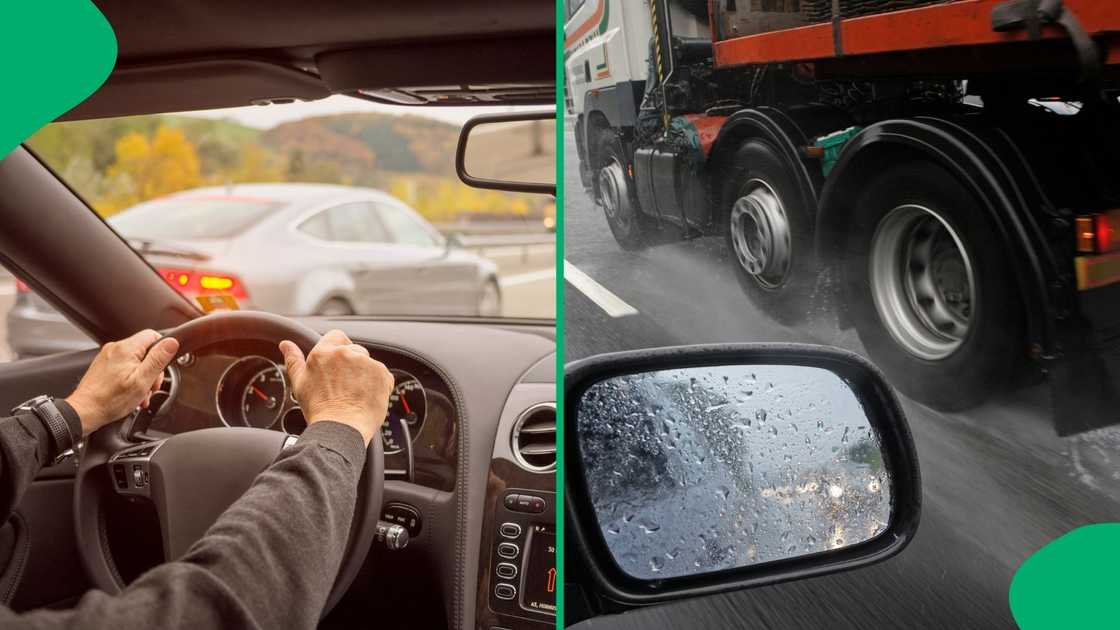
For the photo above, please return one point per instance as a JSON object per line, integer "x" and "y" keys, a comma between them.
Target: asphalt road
{"x": 526, "y": 275}
{"x": 997, "y": 483}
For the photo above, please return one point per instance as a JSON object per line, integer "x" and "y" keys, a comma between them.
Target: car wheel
{"x": 490, "y": 299}
{"x": 335, "y": 307}
{"x": 769, "y": 234}
{"x": 930, "y": 290}
{"x": 616, "y": 194}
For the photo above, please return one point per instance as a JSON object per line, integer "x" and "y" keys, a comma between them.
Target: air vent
{"x": 534, "y": 438}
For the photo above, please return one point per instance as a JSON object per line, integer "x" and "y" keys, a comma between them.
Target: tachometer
{"x": 408, "y": 403}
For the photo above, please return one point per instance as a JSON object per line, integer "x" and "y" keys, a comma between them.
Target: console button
{"x": 120, "y": 477}
{"x": 511, "y": 501}
{"x": 506, "y": 571}
{"x": 508, "y": 550}
{"x": 509, "y": 530}
{"x": 405, "y": 515}
{"x": 536, "y": 504}
{"x": 505, "y": 591}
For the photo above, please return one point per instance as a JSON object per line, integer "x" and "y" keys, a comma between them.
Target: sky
{"x": 268, "y": 116}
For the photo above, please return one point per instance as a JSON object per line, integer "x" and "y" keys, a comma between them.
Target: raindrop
{"x": 655, "y": 564}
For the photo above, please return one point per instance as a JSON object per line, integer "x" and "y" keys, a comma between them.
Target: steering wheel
{"x": 224, "y": 461}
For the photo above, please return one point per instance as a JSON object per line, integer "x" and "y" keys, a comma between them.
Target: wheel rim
{"x": 760, "y": 235}
{"x": 922, "y": 281}
{"x": 612, "y": 196}
{"x": 335, "y": 308}
{"x": 489, "y": 303}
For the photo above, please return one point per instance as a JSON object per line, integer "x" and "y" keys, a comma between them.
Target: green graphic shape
{"x": 1071, "y": 583}
{"x": 59, "y": 52}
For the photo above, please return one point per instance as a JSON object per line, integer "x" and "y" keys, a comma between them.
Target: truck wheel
{"x": 930, "y": 292}
{"x": 769, "y": 233}
{"x": 616, "y": 194}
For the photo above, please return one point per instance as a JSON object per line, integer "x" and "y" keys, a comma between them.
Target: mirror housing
{"x": 463, "y": 168}
{"x": 452, "y": 241}
{"x": 873, "y": 394}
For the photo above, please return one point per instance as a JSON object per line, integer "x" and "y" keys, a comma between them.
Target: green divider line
{"x": 560, "y": 313}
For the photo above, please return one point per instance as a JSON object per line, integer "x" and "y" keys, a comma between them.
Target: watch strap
{"x": 44, "y": 408}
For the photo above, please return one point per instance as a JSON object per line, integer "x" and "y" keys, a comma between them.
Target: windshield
{"x": 190, "y": 218}
{"x": 333, "y": 207}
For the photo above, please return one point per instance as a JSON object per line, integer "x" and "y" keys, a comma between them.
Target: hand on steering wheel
{"x": 224, "y": 460}
{"x": 339, "y": 381}
{"x": 122, "y": 376}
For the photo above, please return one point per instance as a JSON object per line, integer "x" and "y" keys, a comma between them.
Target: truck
{"x": 944, "y": 175}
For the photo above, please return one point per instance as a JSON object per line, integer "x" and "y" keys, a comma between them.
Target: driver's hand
{"x": 121, "y": 377}
{"x": 339, "y": 381}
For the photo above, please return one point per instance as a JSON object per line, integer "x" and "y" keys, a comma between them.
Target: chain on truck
{"x": 946, "y": 173}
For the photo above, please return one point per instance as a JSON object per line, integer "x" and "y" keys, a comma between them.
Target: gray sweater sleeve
{"x": 25, "y": 447}
{"x": 268, "y": 562}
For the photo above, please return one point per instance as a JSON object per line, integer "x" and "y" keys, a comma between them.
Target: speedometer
{"x": 263, "y": 397}
{"x": 252, "y": 392}
{"x": 408, "y": 404}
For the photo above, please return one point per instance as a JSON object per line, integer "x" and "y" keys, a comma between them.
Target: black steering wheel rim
{"x": 92, "y": 482}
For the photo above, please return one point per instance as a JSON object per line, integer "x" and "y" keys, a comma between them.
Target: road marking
{"x": 602, "y": 297}
{"x": 526, "y": 278}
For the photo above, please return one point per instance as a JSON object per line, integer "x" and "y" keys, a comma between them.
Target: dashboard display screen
{"x": 538, "y": 592}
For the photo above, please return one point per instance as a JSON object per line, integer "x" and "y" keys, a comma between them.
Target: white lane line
{"x": 602, "y": 297}
{"x": 526, "y": 278}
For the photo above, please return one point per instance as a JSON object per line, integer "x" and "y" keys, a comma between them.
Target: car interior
{"x": 469, "y": 476}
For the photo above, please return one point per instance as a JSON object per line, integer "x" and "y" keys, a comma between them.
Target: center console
{"x": 517, "y": 564}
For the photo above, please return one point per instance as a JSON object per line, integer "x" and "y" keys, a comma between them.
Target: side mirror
{"x": 701, "y": 469}
{"x": 453, "y": 241}
{"x": 514, "y": 152}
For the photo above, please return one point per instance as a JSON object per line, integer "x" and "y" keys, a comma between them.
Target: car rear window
{"x": 186, "y": 219}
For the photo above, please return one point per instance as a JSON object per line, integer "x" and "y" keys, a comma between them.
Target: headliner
{"x": 177, "y": 56}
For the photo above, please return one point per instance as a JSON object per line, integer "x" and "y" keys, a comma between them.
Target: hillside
{"x": 117, "y": 163}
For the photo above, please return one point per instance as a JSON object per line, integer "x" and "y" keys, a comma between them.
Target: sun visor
{"x": 195, "y": 85}
{"x": 494, "y": 70}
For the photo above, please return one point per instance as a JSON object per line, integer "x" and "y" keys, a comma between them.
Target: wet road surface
{"x": 997, "y": 482}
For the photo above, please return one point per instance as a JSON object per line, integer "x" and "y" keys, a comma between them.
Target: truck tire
{"x": 616, "y": 194}
{"x": 769, "y": 233}
{"x": 930, "y": 290}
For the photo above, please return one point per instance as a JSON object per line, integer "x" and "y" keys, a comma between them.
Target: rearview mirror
{"x": 514, "y": 152}
{"x": 700, "y": 469}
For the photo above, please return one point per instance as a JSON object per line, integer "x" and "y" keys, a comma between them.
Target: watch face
{"x": 30, "y": 405}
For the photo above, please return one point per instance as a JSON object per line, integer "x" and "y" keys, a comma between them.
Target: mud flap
{"x": 1085, "y": 391}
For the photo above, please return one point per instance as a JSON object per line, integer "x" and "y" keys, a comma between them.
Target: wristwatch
{"x": 47, "y": 412}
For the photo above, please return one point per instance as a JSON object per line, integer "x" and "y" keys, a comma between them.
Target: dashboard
{"x": 470, "y": 460}
{"x": 244, "y": 384}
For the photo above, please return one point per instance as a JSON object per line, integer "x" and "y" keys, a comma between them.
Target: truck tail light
{"x": 193, "y": 283}
{"x": 1098, "y": 233}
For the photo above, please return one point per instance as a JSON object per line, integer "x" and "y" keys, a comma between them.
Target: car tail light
{"x": 193, "y": 282}
{"x": 1098, "y": 233}
{"x": 21, "y": 286}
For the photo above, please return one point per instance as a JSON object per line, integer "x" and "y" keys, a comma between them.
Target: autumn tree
{"x": 146, "y": 169}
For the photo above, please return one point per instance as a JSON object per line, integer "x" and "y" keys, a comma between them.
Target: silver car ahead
{"x": 295, "y": 249}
